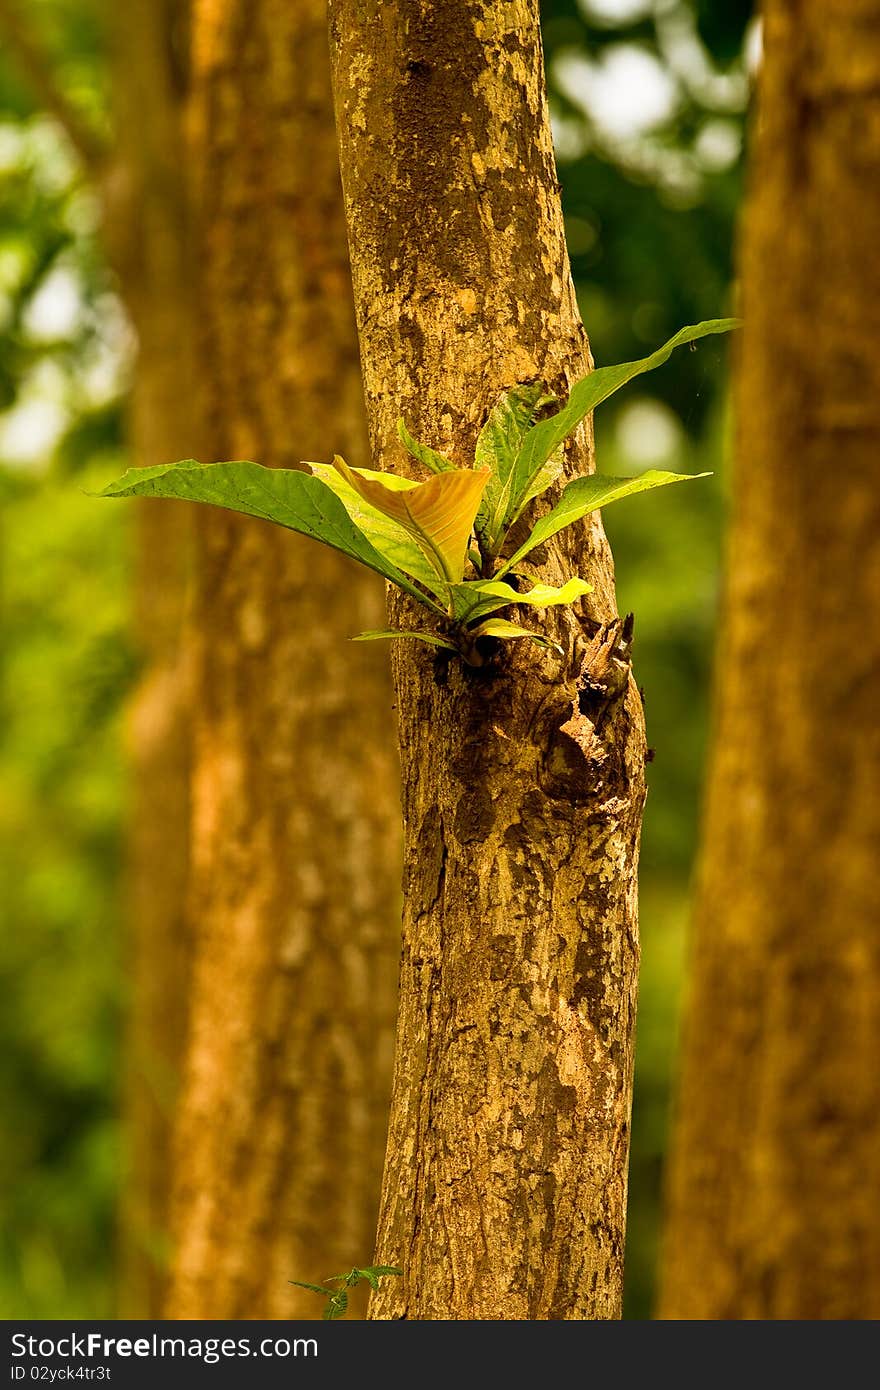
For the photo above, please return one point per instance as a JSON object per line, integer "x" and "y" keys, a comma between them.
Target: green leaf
{"x": 381, "y": 1270}
{"x": 439, "y": 513}
{"x": 542, "y": 440}
{"x": 500, "y": 627}
{"x": 498, "y": 445}
{"x": 389, "y": 633}
{"x": 588, "y": 494}
{"x": 388, "y": 536}
{"x": 295, "y": 500}
{"x": 315, "y": 1288}
{"x": 433, "y": 461}
{"x": 490, "y": 595}
{"x": 371, "y": 1278}
{"x": 542, "y": 480}
{"x": 336, "y": 1305}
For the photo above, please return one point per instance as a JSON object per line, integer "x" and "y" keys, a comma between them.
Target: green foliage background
{"x": 650, "y": 213}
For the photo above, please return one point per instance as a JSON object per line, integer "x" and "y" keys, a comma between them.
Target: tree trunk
{"x": 505, "y": 1181}
{"x": 147, "y": 234}
{"x": 295, "y": 845}
{"x": 775, "y": 1179}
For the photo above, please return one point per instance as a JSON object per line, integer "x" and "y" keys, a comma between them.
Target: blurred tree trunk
{"x": 295, "y": 842}
{"x": 774, "y": 1197}
{"x": 141, "y": 186}
{"x": 505, "y": 1180}
{"x": 147, "y": 228}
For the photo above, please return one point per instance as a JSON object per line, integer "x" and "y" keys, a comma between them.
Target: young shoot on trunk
{"x": 454, "y": 542}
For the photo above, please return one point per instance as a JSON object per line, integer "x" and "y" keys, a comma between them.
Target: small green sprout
{"x": 337, "y": 1297}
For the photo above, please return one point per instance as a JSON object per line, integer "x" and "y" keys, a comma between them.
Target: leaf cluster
{"x": 452, "y": 542}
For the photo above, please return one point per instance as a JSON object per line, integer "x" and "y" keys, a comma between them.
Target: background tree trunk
{"x": 505, "y": 1182}
{"x": 295, "y": 842}
{"x": 147, "y": 225}
{"x": 141, "y": 187}
{"x": 774, "y": 1197}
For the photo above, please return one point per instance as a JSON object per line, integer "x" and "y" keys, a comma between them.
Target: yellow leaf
{"x": 439, "y": 513}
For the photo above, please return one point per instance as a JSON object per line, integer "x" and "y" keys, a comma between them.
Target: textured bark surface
{"x": 505, "y": 1181}
{"x": 775, "y": 1181}
{"x": 147, "y": 227}
{"x": 296, "y": 829}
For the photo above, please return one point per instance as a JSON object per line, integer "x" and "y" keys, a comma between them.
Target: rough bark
{"x": 147, "y": 237}
{"x": 774, "y": 1196}
{"x": 295, "y": 832}
{"x": 505, "y": 1181}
